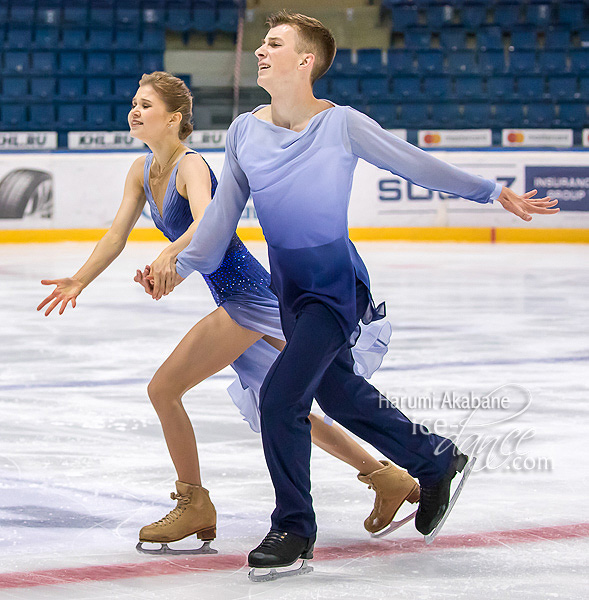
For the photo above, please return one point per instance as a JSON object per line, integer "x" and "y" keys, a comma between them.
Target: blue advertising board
{"x": 569, "y": 185}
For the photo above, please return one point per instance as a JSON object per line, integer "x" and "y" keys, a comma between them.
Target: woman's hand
{"x": 163, "y": 274}
{"x": 145, "y": 280}
{"x": 66, "y": 290}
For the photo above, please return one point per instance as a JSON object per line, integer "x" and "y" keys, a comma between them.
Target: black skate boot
{"x": 434, "y": 499}
{"x": 280, "y": 549}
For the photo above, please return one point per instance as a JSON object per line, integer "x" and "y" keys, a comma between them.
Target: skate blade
{"x": 165, "y": 549}
{"x": 273, "y": 574}
{"x": 394, "y": 526}
{"x": 430, "y": 537}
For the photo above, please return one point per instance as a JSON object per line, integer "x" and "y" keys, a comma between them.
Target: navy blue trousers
{"x": 317, "y": 363}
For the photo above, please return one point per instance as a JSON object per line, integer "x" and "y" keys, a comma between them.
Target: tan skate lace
{"x": 177, "y": 512}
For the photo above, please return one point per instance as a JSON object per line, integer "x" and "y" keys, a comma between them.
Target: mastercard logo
{"x": 515, "y": 138}
{"x": 432, "y": 138}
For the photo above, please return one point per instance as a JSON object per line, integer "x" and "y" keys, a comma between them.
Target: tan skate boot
{"x": 194, "y": 514}
{"x": 392, "y": 486}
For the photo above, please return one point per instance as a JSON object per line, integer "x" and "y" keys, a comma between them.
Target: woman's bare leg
{"x": 212, "y": 344}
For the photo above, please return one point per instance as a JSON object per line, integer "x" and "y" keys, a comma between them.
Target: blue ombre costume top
{"x": 300, "y": 183}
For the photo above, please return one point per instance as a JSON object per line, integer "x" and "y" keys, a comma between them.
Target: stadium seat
{"x": 570, "y": 13}
{"x": 559, "y": 39}
{"x": 16, "y": 61}
{"x": 584, "y": 38}
{"x": 508, "y": 115}
{"x": 453, "y": 38}
{"x": 46, "y": 38}
{"x": 99, "y": 88}
{"x": 500, "y": 87}
{"x": 70, "y": 88}
{"x": 227, "y": 18}
{"x": 489, "y": 38}
{"x": 21, "y": 14}
{"x": 462, "y": 62}
{"x": 492, "y": 62}
{"x": 507, "y": 14}
{"x": 404, "y": 17}
{"x": 153, "y": 39}
{"x": 573, "y": 115}
{"x": 75, "y": 15}
{"x": 204, "y": 19}
{"x": 522, "y": 61}
{"x": 121, "y": 116}
{"x": 579, "y": 60}
{"x": 151, "y": 61}
{"x": 370, "y": 61}
{"x": 71, "y": 62}
{"x": 49, "y": 15}
{"x": 469, "y": 87}
{"x": 321, "y": 88}
{"x": 101, "y": 16}
{"x": 476, "y": 115}
{"x": 563, "y": 87}
{"x": 530, "y": 87}
{"x": 539, "y": 15}
{"x": 584, "y": 89}
{"x": 417, "y": 38}
{"x": 524, "y": 39}
{"x": 153, "y": 15}
{"x": 126, "y": 39}
{"x": 437, "y": 15}
{"x": 540, "y": 115}
{"x": 15, "y": 87}
{"x": 178, "y": 18}
{"x": 406, "y": 87}
{"x": 128, "y": 16}
{"x": 415, "y": 115}
{"x": 342, "y": 64}
{"x": 472, "y": 16}
{"x": 73, "y": 38}
{"x": 14, "y": 116}
{"x": 70, "y": 116}
{"x": 384, "y": 114}
{"x": 345, "y": 88}
{"x": 430, "y": 61}
{"x": 399, "y": 62}
{"x": 446, "y": 115}
{"x": 553, "y": 61}
{"x": 437, "y": 87}
{"x": 125, "y": 88}
{"x": 43, "y": 88}
{"x": 42, "y": 117}
{"x": 99, "y": 39}
{"x": 375, "y": 87}
{"x": 99, "y": 116}
{"x": 43, "y": 63}
{"x": 126, "y": 63}
{"x": 19, "y": 38}
{"x": 99, "y": 62}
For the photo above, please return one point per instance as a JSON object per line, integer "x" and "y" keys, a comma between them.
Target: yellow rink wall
{"x": 357, "y": 234}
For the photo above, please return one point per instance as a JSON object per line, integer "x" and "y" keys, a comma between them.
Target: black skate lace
{"x": 176, "y": 512}
{"x": 272, "y": 540}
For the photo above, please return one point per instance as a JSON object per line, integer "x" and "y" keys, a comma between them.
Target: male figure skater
{"x": 297, "y": 157}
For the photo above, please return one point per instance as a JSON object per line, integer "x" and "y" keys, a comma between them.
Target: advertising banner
{"x": 538, "y": 138}
{"x": 569, "y": 184}
{"x": 102, "y": 140}
{"x": 28, "y": 140}
{"x": 455, "y": 138}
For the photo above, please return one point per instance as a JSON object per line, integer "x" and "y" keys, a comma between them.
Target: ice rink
{"x": 83, "y": 463}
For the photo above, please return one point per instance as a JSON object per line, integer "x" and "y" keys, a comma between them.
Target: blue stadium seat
{"x": 583, "y": 38}
{"x": 178, "y": 18}
{"x": 430, "y": 61}
{"x": 125, "y": 88}
{"x": 399, "y": 62}
{"x": 126, "y": 63}
{"x": 75, "y": 15}
{"x": 507, "y": 14}
{"x": 43, "y": 63}
{"x": 524, "y": 39}
{"x": 151, "y": 61}
{"x": 227, "y": 19}
{"x": 375, "y": 87}
{"x": 126, "y": 39}
{"x": 570, "y": 13}
{"x": 384, "y": 114}
{"x": 321, "y": 88}
{"x": 101, "y": 16}
{"x": 73, "y": 38}
{"x": 43, "y": 88}
{"x": 453, "y": 38}
{"x": 415, "y": 115}
{"x": 530, "y": 87}
{"x": 462, "y": 62}
{"x": 21, "y": 14}
{"x": 539, "y": 15}
{"x": 121, "y": 113}
{"x": 19, "y": 38}
{"x": 501, "y": 87}
{"x": 342, "y": 62}
{"x": 71, "y": 62}
{"x": 153, "y": 39}
{"x": 573, "y": 115}
{"x": 437, "y": 87}
{"x": 15, "y": 87}
{"x": 472, "y": 16}
{"x": 437, "y": 15}
{"x": 14, "y": 116}
{"x": 42, "y": 117}
{"x": 418, "y": 38}
{"x": 404, "y": 17}
{"x": 584, "y": 88}
{"x": 70, "y": 116}
{"x": 492, "y": 62}
{"x": 476, "y": 115}
{"x": 99, "y": 88}
{"x": 128, "y": 16}
{"x": 508, "y": 115}
{"x": 70, "y": 88}
{"x": 563, "y": 87}
{"x": 579, "y": 60}
{"x": 49, "y": 15}
{"x": 99, "y": 38}
{"x": 370, "y": 61}
{"x": 522, "y": 61}
{"x": 445, "y": 115}
{"x": 490, "y": 38}
{"x": 345, "y": 88}
{"x": 540, "y": 115}
{"x": 204, "y": 19}
{"x": 553, "y": 61}
{"x": 559, "y": 39}
{"x": 469, "y": 87}
{"x": 46, "y": 38}
{"x": 153, "y": 15}
{"x": 16, "y": 61}
{"x": 99, "y": 63}
{"x": 99, "y": 116}
{"x": 406, "y": 86}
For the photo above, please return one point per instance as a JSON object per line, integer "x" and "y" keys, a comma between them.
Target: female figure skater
{"x": 243, "y": 331}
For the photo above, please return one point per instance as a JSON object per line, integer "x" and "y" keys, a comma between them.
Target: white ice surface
{"x": 83, "y": 463}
